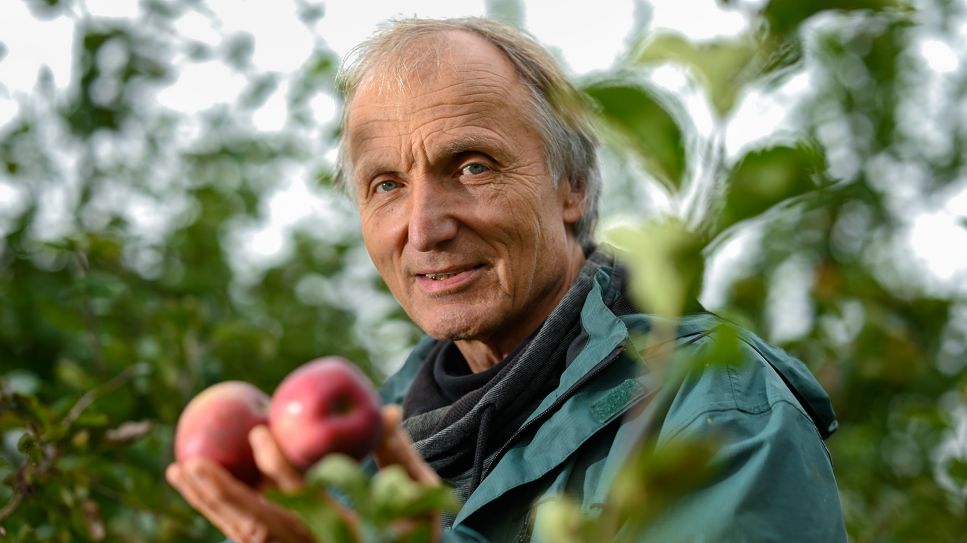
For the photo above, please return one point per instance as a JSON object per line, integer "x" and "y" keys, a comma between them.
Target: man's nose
{"x": 431, "y": 221}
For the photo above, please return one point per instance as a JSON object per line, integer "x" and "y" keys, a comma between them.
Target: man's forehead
{"x": 412, "y": 64}
{"x": 457, "y": 73}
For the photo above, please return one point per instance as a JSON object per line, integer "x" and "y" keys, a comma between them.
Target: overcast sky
{"x": 587, "y": 36}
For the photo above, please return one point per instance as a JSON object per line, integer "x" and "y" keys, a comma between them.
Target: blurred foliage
{"x": 126, "y": 289}
{"x": 643, "y": 124}
{"x": 385, "y": 505}
{"x": 834, "y": 206}
{"x": 128, "y": 299}
{"x": 723, "y": 67}
{"x": 766, "y": 178}
{"x": 670, "y": 256}
{"x": 654, "y": 480}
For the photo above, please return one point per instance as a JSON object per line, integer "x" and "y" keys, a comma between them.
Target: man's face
{"x": 459, "y": 213}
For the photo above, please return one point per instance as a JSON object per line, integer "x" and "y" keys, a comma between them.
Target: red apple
{"x": 326, "y": 405}
{"x": 216, "y": 423}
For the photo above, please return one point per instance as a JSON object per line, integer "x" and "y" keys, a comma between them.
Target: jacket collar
{"x": 598, "y": 386}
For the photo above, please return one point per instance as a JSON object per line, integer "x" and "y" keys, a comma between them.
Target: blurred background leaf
{"x": 724, "y": 67}
{"x": 644, "y": 125}
{"x": 765, "y": 178}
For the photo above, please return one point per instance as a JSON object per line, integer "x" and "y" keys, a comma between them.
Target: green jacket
{"x": 774, "y": 480}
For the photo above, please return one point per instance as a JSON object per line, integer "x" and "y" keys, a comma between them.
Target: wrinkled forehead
{"x": 417, "y": 60}
{"x": 460, "y": 79}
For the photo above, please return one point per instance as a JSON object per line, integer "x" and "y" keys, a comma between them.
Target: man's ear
{"x": 575, "y": 196}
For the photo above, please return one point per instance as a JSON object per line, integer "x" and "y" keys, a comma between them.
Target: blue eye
{"x": 474, "y": 169}
{"x": 386, "y": 186}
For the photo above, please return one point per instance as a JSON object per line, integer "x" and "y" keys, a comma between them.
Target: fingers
{"x": 271, "y": 462}
{"x": 198, "y": 482}
{"x": 246, "y": 517}
{"x": 239, "y": 512}
{"x": 397, "y": 448}
{"x": 392, "y": 417}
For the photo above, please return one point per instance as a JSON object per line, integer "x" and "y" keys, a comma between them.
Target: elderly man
{"x": 475, "y": 176}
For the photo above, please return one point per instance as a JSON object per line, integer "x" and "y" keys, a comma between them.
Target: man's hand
{"x": 245, "y": 516}
{"x": 241, "y": 513}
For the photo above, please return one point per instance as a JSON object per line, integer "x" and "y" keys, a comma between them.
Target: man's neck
{"x": 482, "y": 355}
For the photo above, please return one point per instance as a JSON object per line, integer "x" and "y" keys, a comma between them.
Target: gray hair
{"x": 557, "y": 108}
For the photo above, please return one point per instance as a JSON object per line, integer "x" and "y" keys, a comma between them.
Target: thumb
{"x": 396, "y": 447}
{"x": 271, "y": 462}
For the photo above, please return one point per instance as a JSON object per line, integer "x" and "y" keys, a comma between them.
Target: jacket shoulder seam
{"x": 764, "y": 408}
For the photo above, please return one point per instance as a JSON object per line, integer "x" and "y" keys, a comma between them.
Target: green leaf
{"x": 258, "y": 91}
{"x": 561, "y": 520}
{"x": 768, "y": 177}
{"x": 666, "y": 263}
{"x": 957, "y": 469}
{"x": 644, "y": 125}
{"x": 81, "y": 440}
{"x": 28, "y": 407}
{"x": 73, "y": 374}
{"x": 393, "y": 495}
{"x": 785, "y": 16}
{"x": 238, "y": 50}
{"x": 393, "y": 491}
{"x": 654, "y": 479}
{"x": 100, "y": 288}
{"x": 28, "y": 446}
{"x": 725, "y": 349}
{"x": 342, "y": 473}
{"x": 723, "y": 67}
{"x": 318, "y": 513}
{"x": 320, "y": 65}
{"x": 440, "y": 498}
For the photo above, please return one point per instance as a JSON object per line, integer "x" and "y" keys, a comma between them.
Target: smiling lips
{"x": 448, "y": 278}
{"x": 440, "y": 276}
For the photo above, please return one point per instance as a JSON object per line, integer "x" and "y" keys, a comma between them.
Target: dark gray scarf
{"x": 459, "y": 440}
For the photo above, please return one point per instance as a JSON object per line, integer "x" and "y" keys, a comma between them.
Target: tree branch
{"x": 90, "y": 320}
{"x": 23, "y": 487}
{"x": 93, "y": 394}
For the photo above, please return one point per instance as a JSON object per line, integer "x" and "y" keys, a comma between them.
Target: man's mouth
{"x": 444, "y": 275}
{"x": 441, "y": 276}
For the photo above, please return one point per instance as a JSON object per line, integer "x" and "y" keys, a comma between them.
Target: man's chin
{"x": 455, "y": 327}
{"x": 452, "y": 334}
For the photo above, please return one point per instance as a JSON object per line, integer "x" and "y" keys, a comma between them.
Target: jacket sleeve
{"x": 772, "y": 480}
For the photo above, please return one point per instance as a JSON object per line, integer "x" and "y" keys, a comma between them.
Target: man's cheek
{"x": 394, "y": 282}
